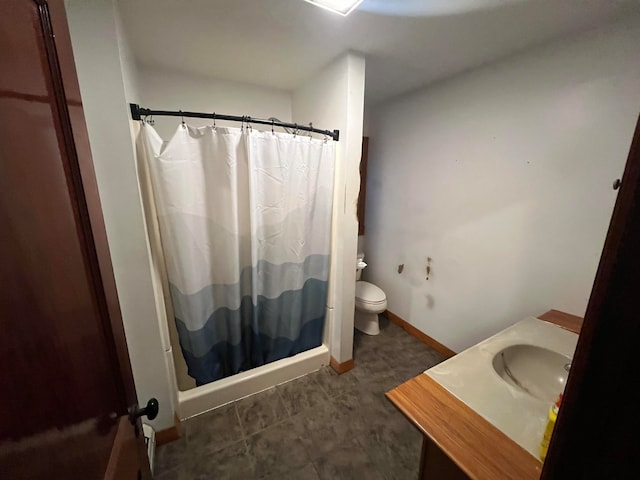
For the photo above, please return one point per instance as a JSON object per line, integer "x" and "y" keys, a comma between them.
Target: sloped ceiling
{"x": 407, "y": 43}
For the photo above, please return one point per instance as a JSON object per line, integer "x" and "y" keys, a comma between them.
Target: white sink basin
{"x": 517, "y": 403}
{"x": 534, "y": 370}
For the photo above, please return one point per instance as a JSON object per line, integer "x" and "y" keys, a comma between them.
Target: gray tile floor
{"x": 321, "y": 426}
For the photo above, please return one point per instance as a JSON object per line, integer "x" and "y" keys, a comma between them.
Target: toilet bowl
{"x": 370, "y": 301}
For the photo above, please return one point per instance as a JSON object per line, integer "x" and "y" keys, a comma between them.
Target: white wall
{"x": 169, "y": 90}
{"x": 107, "y": 83}
{"x": 130, "y": 71}
{"x": 334, "y": 99}
{"x": 503, "y": 176}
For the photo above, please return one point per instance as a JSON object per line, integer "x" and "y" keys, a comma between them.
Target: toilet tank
{"x": 360, "y": 265}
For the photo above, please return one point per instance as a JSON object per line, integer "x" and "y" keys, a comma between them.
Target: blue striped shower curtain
{"x": 245, "y": 224}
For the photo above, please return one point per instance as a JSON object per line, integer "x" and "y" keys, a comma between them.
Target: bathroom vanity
{"x": 481, "y": 422}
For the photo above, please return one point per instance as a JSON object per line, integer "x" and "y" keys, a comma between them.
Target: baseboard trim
{"x": 423, "y": 337}
{"x": 170, "y": 434}
{"x": 343, "y": 367}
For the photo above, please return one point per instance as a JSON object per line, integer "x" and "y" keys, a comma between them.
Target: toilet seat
{"x": 369, "y": 293}
{"x": 369, "y": 297}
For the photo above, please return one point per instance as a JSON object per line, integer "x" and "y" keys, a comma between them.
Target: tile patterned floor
{"x": 319, "y": 427}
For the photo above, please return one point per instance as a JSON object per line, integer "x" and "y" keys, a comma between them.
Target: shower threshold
{"x": 213, "y": 395}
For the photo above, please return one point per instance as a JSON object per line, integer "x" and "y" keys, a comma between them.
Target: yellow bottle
{"x": 551, "y": 423}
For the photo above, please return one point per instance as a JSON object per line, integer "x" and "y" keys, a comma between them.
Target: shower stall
{"x": 240, "y": 227}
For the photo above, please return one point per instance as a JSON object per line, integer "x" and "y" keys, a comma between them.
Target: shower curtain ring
{"x": 310, "y": 131}
{"x": 295, "y": 129}
{"x": 214, "y": 121}
{"x": 182, "y": 118}
{"x": 272, "y": 124}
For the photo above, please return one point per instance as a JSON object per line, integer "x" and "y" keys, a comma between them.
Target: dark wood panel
{"x": 73, "y": 452}
{"x": 596, "y": 434}
{"x": 60, "y": 370}
{"x": 123, "y": 462}
{"x": 103, "y": 270}
{"x": 67, "y": 380}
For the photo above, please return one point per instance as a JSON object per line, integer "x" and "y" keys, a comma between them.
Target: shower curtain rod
{"x": 137, "y": 112}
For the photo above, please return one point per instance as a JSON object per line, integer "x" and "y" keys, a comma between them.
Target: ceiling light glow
{"x": 343, "y": 7}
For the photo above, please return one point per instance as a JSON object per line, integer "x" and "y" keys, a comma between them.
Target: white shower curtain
{"x": 245, "y": 224}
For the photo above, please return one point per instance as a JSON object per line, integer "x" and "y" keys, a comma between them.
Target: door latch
{"x": 150, "y": 411}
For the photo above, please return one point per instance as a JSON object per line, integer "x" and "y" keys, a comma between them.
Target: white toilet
{"x": 370, "y": 301}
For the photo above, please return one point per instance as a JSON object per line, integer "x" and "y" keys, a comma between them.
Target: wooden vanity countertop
{"x": 481, "y": 450}
{"x": 564, "y": 320}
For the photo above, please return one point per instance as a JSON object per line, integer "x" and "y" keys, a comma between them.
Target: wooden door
{"x": 64, "y": 369}
{"x": 596, "y": 434}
